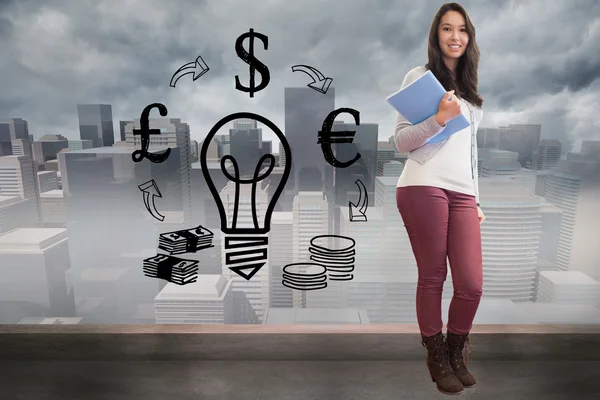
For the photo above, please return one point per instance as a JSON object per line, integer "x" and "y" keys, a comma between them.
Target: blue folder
{"x": 420, "y": 100}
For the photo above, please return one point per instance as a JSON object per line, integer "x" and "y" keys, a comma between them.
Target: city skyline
{"x": 90, "y": 234}
{"x": 114, "y": 64}
{"x": 513, "y": 195}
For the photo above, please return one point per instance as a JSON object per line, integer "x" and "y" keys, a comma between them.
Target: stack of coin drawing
{"x": 336, "y": 254}
{"x": 172, "y": 269}
{"x": 304, "y": 276}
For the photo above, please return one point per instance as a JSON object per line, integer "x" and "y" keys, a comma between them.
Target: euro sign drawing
{"x": 248, "y": 58}
{"x": 327, "y": 137}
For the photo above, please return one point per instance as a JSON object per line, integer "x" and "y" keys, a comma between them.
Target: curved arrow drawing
{"x": 361, "y": 215}
{"x": 198, "y": 68}
{"x": 319, "y": 83}
{"x": 151, "y": 189}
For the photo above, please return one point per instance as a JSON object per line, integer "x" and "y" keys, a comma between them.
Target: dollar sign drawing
{"x": 248, "y": 58}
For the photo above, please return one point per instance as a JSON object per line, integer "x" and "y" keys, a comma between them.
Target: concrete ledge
{"x": 286, "y": 342}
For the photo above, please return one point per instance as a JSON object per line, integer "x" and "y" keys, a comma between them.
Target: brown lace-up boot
{"x": 456, "y": 343}
{"x": 438, "y": 365}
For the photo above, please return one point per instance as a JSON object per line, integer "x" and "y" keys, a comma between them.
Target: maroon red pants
{"x": 442, "y": 223}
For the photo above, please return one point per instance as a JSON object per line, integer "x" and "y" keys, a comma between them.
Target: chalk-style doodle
{"x": 248, "y": 58}
{"x": 186, "y": 240}
{"x": 145, "y": 132}
{"x": 319, "y": 83}
{"x": 326, "y": 137}
{"x": 198, "y": 68}
{"x": 336, "y": 253}
{"x": 358, "y": 211}
{"x": 304, "y": 276}
{"x": 172, "y": 269}
{"x": 150, "y": 191}
{"x": 244, "y": 245}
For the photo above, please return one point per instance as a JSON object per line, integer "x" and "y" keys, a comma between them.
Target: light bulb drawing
{"x": 245, "y": 247}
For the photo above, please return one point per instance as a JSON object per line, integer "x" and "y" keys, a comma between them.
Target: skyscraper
{"x": 305, "y": 111}
{"x": 174, "y": 133}
{"x": 574, "y": 187}
{"x": 18, "y": 178}
{"x": 96, "y": 124}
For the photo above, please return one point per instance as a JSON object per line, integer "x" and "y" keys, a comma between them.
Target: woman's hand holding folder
{"x": 448, "y": 109}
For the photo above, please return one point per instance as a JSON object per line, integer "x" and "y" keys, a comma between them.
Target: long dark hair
{"x": 465, "y": 84}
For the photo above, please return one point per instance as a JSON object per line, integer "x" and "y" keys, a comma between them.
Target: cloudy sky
{"x": 540, "y": 60}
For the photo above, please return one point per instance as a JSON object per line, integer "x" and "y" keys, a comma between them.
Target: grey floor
{"x": 281, "y": 380}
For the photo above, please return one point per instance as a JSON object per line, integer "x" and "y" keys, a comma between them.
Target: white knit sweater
{"x": 450, "y": 167}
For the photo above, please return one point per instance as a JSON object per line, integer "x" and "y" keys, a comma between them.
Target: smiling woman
{"x": 438, "y": 197}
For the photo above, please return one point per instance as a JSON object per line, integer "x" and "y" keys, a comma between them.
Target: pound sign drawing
{"x": 145, "y": 132}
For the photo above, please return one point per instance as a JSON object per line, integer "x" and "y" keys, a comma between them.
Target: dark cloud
{"x": 539, "y": 59}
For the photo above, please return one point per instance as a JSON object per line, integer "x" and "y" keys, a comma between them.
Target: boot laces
{"x": 440, "y": 355}
{"x": 465, "y": 355}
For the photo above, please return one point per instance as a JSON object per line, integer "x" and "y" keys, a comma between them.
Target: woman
{"x": 438, "y": 198}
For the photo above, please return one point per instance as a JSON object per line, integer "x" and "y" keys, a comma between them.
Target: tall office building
{"x": 5, "y": 140}
{"x": 15, "y": 138}
{"x": 122, "y": 125}
{"x": 510, "y": 238}
{"x": 547, "y": 154}
{"x": 305, "y": 111}
{"x": 282, "y": 159}
{"x": 18, "y": 178}
{"x": 18, "y": 128}
{"x": 174, "y": 133}
{"x": 96, "y": 124}
{"x": 194, "y": 151}
{"x": 574, "y": 187}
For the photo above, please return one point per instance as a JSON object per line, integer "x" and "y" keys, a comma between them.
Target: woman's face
{"x": 452, "y": 31}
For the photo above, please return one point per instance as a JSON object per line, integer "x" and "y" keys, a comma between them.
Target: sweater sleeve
{"x": 408, "y": 136}
{"x": 476, "y": 181}
{"x": 477, "y": 165}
